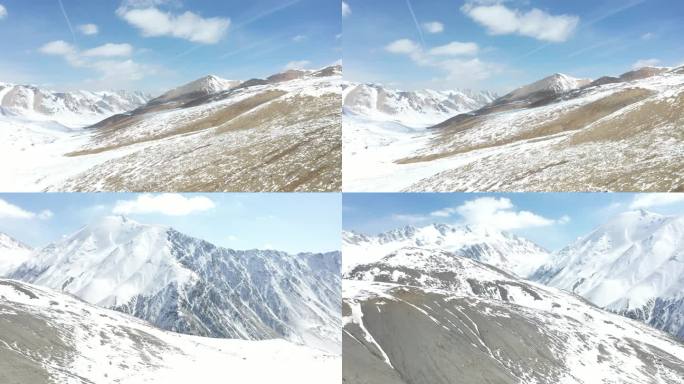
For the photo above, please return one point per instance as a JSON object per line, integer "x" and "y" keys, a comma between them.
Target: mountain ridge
{"x": 191, "y": 286}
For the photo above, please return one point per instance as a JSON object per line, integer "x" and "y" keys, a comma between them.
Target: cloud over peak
{"x": 169, "y": 204}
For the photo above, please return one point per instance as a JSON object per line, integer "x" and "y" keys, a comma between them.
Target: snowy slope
{"x": 258, "y": 136}
{"x": 46, "y": 336}
{"x": 619, "y": 134}
{"x": 12, "y": 253}
{"x": 428, "y": 316}
{"x": 420, "y": 108}
{"x": 497, "y": 248}
{"x": 188, "y": 285}
{"x": 72, "y": 109}
{"x": 633, "y": 264}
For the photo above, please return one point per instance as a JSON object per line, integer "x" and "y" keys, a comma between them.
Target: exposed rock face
{"x": 188, "y": 285}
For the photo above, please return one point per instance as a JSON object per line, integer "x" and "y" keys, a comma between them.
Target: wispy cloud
{"x": 169, "y": 204}
{"x": 415, "y": 21}
{"x": 3, "y": 12}
{"x": 267, "y": 13}
{"x": 11, "y": 211}
{"x": 299, "y": 38}
{"x": 109, "y": 50}
{"x": 88, "y": 29}
{"x": 66, "y": 18}
{"x": 649, "y": 200}
{"x": 433, "y": 27}
{"x": 455, "y": 59}
{"x": 346, "y": 9}
{"x": 107, "y": 59}
{"x": 299, "y": 64}
{"x": 645, "y": 63}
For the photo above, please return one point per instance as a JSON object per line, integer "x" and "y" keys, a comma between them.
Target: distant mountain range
{"x": 411, "y": 108}
{"x": 191, "y": 286}
{"x": 281, "y": 133}
{"x": 71, "y": 109}
{"x": 633, "y": 265}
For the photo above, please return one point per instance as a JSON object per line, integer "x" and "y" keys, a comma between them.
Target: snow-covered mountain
{"x": 411, "y": 108}
{"x": 558, "y": 134}
{"x": 71, "y": 109}
{"x": 204, "y": 86}
{"x": 491, "y": 246}
{"x": 12, "y": 253}
{"x": 428, "y": 316}
{"x": 282, "y": 134}
{"x": 550, "y": 86}
{"x": 50, "y": 337}
{"x": 187, "y": 285}
{"x": 633, "y": 265}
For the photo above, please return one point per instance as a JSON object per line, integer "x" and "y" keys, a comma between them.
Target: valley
{"x": 557, "y": 134}
{"x": 274, "y": 134}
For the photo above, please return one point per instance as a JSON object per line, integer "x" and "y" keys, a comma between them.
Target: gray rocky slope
{"x": 48, "y": 337}
{"x": 461, "y": 321}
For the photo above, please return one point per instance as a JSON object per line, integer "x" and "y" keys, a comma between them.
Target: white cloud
{"x": 109, "y": 50}
{"x": 3, "y": 12}
{"x": 433, "y": 27}
{"x": 501, "y": 20}
{"x": 102, "y": 59}
{"x": 458, "y": 71}
{"x": 346, "y": 9}
{"x": 455, "y": 48}
{"x": 153, "y": 22}
{"x": 58, "y": 47}
{"x": 645, "y": 63}
{"x": 648, "y": 36}
{"x": 648, "y": 200}
{"x": 128, "y": 70}
{"x": 497, "y": 212}
{"x": 409, "y": 218}
{"x": 45, "y": 214}
{"x": 170, "y": 204}
{"x": 89, "y": 29}
{"x": 232, "y": 238}
{"x": 11, "y": 211}
{"x": 299, "y": 38}
{"x": 299, "y": 64}
{"x": 403, "y": 46}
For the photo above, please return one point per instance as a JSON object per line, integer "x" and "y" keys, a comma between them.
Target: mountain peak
{"x": 9, "y": 242}
{"x": 203, "y": 86}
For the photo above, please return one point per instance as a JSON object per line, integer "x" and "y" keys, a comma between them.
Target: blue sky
{"x": 552, "y": 220}
{"x": 292, "y": 222}
{"x": 154, "y": 45}
{"x": 502, "y": 44}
